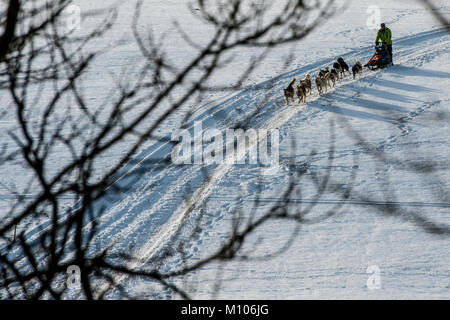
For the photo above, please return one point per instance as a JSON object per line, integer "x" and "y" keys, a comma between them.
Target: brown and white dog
{"x": 308, "y": 83}
{"x": 321, "y": 83}
{"x": 338, "y": 68}
{"x": 357, "y": 69}
{"x": 289, "y": 92}
{"x": 335, "y": 76}
{"x": 301, "y": 91}
{"x": 326, "y": 74}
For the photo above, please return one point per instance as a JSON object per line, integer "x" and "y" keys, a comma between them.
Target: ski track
{"x": 124, "y": 222}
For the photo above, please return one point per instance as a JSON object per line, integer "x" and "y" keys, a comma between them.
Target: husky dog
{"x": 301, "y": 91}
{"x": 330, "y": 78}
{"x": 289, "y": 92}
{"x": 335, "y": 75}
{"x": 344, "y": 66}
{"x": 338, "y": 68}
{"x": 326, "y": 74}
{"x": 357, "y": 69}
{"x": 321, "y": 83}
{"x": 322, "y": 72}
{"x": 308, "y": 83}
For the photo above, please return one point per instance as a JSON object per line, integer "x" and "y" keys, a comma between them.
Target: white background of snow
{"x": 328, "y": 260}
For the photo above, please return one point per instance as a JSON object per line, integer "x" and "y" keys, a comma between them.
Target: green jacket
{"x": 384, "y": 36}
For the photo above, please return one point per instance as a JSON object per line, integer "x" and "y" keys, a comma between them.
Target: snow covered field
{"x": 401, "y": 111}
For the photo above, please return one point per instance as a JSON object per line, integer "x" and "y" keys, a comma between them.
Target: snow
{"x": 396, "y": 110}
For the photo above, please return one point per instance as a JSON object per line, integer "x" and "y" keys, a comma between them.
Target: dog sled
{"x": 380, "y": 59}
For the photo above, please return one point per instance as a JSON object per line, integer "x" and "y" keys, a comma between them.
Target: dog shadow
{"x": 387, "y": 95}
{"x": 419, "y": 72}
{"x": 347, "y": 112}
{"x": 370, "y": 104}
{"x": 404, "y": 86}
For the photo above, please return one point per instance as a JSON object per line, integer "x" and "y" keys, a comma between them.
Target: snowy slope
{"x": 395, "y": 110}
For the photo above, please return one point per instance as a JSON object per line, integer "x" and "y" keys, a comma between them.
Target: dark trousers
{"x": 389, "y": 49}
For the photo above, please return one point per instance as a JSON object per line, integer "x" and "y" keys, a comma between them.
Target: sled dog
{"x": 289, "y": 91}
{"x": 335, "y": 76}
{"x": 321, "y": 83}
{"x": 328, "y": 77}
{"x": 308, "y": 83}
{"x": 344, "y": 66}
{"x": 357, "y": 69}
{"x": 338, "y": 68}
{"x": 301, "y": 91}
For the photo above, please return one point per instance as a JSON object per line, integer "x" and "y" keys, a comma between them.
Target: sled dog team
{"x": 323, "y": 81}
